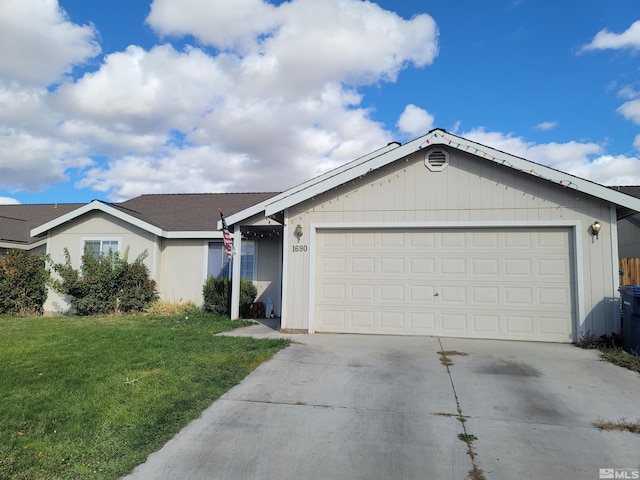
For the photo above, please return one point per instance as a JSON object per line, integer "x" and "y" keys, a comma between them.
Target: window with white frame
{"x": 101, "y": 248}
{"x": 218, "y": 263}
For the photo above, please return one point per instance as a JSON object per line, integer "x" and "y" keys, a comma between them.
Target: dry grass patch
{"x": 622, "y": 425}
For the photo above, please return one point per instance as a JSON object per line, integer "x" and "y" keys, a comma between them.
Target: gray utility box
{"x": 631, "y": 318}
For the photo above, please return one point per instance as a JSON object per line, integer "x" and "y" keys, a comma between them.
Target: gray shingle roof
{"x": 189, "y": 211}
{"x": 171, "y": 212}
{"x": 17, "y": 220}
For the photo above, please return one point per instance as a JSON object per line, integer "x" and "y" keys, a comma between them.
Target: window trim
{"x": 101, "y": 239}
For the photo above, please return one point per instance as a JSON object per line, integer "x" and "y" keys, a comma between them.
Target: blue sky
{"x": 111, "y": 99}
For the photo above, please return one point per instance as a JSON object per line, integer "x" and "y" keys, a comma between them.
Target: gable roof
{"x": 361, "y": 166}
{"x": 167, "y": 215}
{"x": 17, "y": 220}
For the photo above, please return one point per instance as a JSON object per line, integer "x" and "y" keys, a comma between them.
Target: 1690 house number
{"x": 299, "y": 248}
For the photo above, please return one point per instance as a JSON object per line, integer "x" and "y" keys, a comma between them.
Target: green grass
{"x": 90, "y": 398}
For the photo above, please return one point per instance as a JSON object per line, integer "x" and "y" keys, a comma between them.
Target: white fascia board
{"x": 243, "y": 214}
{"x": 103, "y": 207}
{"x": 213, "y": 234}
{"x": 536, "y": 170}
{"x": 446, "y": 224}
{"x": 343, "y": 174}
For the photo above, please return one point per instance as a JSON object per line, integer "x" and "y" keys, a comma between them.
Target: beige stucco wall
{"x": 182, "y": 269}
{"x": 179, "y": 266}
{"x": 470, "y": 189}
{"x": 96, "y": 225}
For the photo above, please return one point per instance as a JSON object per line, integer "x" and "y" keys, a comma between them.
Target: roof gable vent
{"x": 436, "y": 159}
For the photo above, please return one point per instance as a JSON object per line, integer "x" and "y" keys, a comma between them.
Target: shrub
{"x": 248, "y": 294}
{"x": 105, "y": 284}
{"x": 216, "y": 293}
{"x": 23, "y": 283}
{"x": 217, "y": 296}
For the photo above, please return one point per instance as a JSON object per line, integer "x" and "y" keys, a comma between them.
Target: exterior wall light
{"x": 596, "y": 227}
{"x": 298, "y": 232}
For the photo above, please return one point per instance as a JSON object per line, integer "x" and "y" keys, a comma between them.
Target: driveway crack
{"x": 476, "y": 473}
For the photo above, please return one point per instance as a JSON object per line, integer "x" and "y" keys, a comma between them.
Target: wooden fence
{"x": 629, "y": 271}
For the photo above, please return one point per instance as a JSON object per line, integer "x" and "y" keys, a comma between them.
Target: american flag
{"x": 228, "y": 241}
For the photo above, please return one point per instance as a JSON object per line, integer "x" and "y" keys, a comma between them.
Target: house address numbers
{"x": 299, "y": 248}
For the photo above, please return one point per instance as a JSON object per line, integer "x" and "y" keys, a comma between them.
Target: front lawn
{"x": 90, "y": 398}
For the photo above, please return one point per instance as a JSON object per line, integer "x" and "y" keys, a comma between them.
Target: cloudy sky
{"x": 111, "y": 99}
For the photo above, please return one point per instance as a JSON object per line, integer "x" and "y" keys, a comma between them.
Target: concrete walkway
{"x": 378, "y": 407}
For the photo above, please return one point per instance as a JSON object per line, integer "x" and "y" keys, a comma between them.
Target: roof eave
{"x": 380, "y": 158}
{"x": 100, "y": 206}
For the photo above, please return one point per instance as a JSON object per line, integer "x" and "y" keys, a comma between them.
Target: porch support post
{"x": 235, "y": 275}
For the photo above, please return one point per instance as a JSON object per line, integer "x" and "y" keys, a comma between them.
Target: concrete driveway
{"x": 377, "y": 407}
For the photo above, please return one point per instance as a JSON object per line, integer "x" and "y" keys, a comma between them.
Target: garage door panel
{"x": 453, "y": 266}
{"x": 486, "y": 295}
{"x": 485, "y": 266}
{"x": 362, "y": 292}
{"x": 424, "y": 266}
{"x": 454, "y": 323}
{"x": 334, "y": 265}
{"x": 363, "y": 265}
{"x": 453, "y": 294}
{"x": 420, "y": 294}
{"x": 486, "y": 283}
{"x": 422, "y": 322}
{"x": 519, "y": 324}
{"x": 553, "y": 326}
{"x": 364, "y": 240}
{"x": 486, "y": 239}
{"x": 391, "y": 265}
{"x": 391, "y": 293}
{"x": 363, "y": 319}
{"x": 518, "y": 296}
{"x": 518, "y": 267}
{"x": 553, "y": 267}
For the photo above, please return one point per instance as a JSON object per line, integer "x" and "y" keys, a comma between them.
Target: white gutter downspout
{"x": 235, "y": 273}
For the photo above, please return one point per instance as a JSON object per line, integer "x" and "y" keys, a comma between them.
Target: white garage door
{"x": 505, "y": 283}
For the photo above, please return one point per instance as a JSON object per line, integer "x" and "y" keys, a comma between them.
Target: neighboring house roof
{"x": 629, "y": 214}
{"x": 167, "y": 215}
{"x": 17, "y": 220}
{"x": 391, "y": 153}
{"x": 633, "y": 190}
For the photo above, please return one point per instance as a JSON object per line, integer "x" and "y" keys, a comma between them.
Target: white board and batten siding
{"x": 509, "y": 283}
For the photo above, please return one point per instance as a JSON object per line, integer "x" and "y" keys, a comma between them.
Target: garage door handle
{"x": 436, "y": 294}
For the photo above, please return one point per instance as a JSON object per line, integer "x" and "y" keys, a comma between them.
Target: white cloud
{"x": 281, "y": 97}
{"x": 304, "y": 44}
{"x": 604, "y": 39}
{"x": 39, "y": 43}
{"x": 415, "y": 121}
{"x": 233, "y": 25}
{"x": 8, "y": 201}
{"x": 32, "y": 162}
{"x": 631, "y": 111}
{"x": 544, "y": 126}
{"x": 585, "y": 160}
